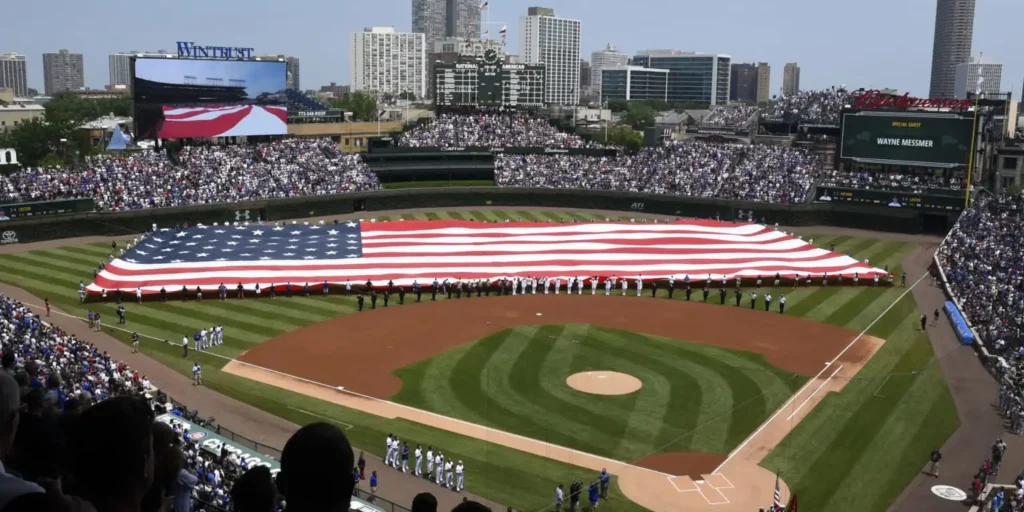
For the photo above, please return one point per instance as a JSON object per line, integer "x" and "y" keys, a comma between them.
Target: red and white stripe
{"x": 408, "y": 251}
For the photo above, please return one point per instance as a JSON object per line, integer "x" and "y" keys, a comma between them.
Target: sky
{"x": 868, "y": 43}
{"x": 259, "y": 77}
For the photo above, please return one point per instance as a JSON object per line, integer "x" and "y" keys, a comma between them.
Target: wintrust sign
{"x": 190, "y": 49}
{"x": 875, "y": 99}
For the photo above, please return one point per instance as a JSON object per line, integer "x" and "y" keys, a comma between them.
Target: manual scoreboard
{"x": 489, "y": 82}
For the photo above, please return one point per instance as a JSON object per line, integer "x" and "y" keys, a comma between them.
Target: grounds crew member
{"x": 936, "y": 456}
{"x": 605, "y": 480}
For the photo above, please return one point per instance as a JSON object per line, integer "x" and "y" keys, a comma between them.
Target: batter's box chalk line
{"x": 672, "y": 480}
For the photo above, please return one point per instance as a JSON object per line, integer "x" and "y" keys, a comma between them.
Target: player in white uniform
{"x": 515, "y": 285}
{"x": 448, "y": 474}
{"x": 458, "y": 477}
{"x": 547, "y": 282}
{"x": 593, "y": 285}
{"x": 202, "y": 339}
{"x": 430, "y": 461}
{"x": 439, "y": 465}
{"x": 639, "y": 285}
{"x": 387, "y": 446}
{"x": 533, "y": 286}
{"x": 558, "y": 284}
{"x": 607, "y": 287}
{"x": 579, "y": 285}
{"x": 419, "y": 459}
{"x": 625, "y": 286}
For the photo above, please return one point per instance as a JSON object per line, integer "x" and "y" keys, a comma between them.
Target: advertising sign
{"x": 212, "y": 443}
{"x": 907, "y": 138}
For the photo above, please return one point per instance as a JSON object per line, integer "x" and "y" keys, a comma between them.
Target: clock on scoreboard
{"x": 489, "y": 81}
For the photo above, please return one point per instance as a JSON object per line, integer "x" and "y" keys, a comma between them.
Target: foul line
{"x": 348, "y": 426}
{"x": 808, "y": 399}
{"x": 816, "y": 377}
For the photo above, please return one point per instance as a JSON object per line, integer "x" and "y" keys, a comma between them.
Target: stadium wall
{"x": 120, "y": 223}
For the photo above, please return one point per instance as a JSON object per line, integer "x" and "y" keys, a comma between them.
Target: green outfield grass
{"x": 514, "y": 380}
{"x": 856, "y": 451}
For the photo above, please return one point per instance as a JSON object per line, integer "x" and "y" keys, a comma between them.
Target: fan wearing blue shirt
{"x": 593, "y": 496}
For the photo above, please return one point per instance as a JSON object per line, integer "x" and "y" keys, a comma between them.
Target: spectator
{"x": 113, "y": 476}
{"x": 494, "y": 130}
{"x": 255, "y": 491}
{"x": 424, "y": 502}
{"x": 314, "y": 470}
{"x": 812, "y": 107}
{"x": 12, "y": 487}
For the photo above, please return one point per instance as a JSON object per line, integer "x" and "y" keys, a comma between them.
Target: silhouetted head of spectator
{"x": 255, "y": 491}
{"x": 32, "y": 369}
{"x": 35, "y": 401}
{"x": 113, "y": 475}
{"x": 471, "y": 506}
{"x": 424, "y": 502}
{"x": 10, "y": 403}
{"x": 167, "y": 461}
{"x": 314, "y": 470}
{"x": 8, "y": 360}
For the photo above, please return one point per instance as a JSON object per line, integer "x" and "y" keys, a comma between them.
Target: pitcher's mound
{"x": 604, "y": 383}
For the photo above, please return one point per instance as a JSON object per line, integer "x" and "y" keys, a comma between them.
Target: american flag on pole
{"x": 408, "y": 251}
{"x": 777, "y": 506}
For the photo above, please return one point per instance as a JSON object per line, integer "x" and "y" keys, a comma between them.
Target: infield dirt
{"x": 313, "y": 361}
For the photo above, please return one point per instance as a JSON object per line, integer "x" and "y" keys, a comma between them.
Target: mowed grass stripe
{"x": 73, "y": 259}
{"x": 512, "y": 379}
{"x": 55, "y": 271}
{"x": 527, "y": 215}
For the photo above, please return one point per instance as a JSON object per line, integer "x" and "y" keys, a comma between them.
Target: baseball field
{"x": 711, "y": 375}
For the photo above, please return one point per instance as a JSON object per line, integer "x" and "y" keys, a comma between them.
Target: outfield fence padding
{"x": 138, "y": 221}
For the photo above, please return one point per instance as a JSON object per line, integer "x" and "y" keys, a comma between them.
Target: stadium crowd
{"x": 983, "y": 262}
{"x": 207, "y": 174}
{"x": 729, "y": 115}
{"x": 915, "y": 183}
{"x": 494, "y": 130}
{"x": 814, "y": 107}
{"x": 731, "y": 171}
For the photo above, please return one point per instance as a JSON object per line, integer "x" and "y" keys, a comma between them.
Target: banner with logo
{"x": 212, "y": 443}
{"x": 8, "y": 237}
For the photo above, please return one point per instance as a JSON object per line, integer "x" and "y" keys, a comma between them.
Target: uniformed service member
{"x": 671, "y": 285}
{"x": 782, "y": 305}
{"x": 373, "y": 299}
{"x": 401, "y": 295}
{"x": 689, "y": 291}
{"x": 416, "y": 290}
{"x": 654, "y": 288}
{"x": 753, "y": 300}
{"x": 387, "y": 296}
{"x": 707, "y": 291}
{"x": 721, "y": 295}
{"x": 359, "y": 300}
{"x": 767, "y": 302}
{"x": 739, "y": 296}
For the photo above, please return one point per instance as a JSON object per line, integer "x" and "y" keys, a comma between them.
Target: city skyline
{"x": 855, "y": 62}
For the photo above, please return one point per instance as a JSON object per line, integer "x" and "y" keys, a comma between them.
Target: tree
{"x": 623, "y": 136}
{"x": 33, "y": 140}
{"x": 639, "y": 116}
{"x": 408, "y": 95}
{"x": 362, "y": 106}
{"x": 618, "y": 105}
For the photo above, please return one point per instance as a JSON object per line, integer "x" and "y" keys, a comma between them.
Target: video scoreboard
{"x": 924, "y": 139}
{"x": 489, "y": 82}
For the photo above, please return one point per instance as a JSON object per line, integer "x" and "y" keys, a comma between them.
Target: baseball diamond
{"x": 729, "y": 396}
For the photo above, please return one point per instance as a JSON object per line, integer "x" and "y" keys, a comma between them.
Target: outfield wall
{"x": 119, "y": 223}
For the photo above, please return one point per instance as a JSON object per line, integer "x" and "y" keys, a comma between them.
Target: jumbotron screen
{"x": 936, "y": 139}
{"x": 191, "y": 98}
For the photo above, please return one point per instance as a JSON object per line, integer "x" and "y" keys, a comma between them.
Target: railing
{"x": 377, "y": 501}
{"x": 233, "y": 436}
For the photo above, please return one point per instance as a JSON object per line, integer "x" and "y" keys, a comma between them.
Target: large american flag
{"x": 408, "y": 251}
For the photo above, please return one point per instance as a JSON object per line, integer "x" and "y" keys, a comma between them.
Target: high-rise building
{"x": 790, "y": 79}
{"x": 554, "y": 42}
{"x": 438, "y": 19}
{"x": 608, "y": 58}
{"x": 14, "y": 73}
{"x": 387, "y": 62}
{"x": 743, "y": 82}
{"x": 335, "y": 90}
{"x": 63, "y": 71}
{"x": 764, "y": 82}
{"x": 693, "y": 77}
{"x": 119, "y": 65}
{"x": 634, "y": 83}
{"x": 586, "y": 78}
{"x": 954, "y": 29}
{"x": 291, "y": 69}
{"x": 967, "y": 75}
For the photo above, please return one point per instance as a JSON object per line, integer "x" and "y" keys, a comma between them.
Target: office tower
{"x": 14, "y": 73}
{"x": 764, "y": 82}
{"x": 743, "y": 83}
{"x": 954, "y": 29}
{"x": 291, "y": 69}
{"x": 387, "y": 62}
{"x": 634, "y": 83}
{"x": 692, "y": 77}
{"x": 608, "y": 58}
{"x": 967, "y": 75}
{"x": 790, "y": 79}
{"x": 63, "y": 71}
{"x": 554, "y": 42}
{"x": 438, "y": 19}
{"x": 119, "y": 65}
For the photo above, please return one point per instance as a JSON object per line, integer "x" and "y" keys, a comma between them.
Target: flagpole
{"x": 970, "y": 162}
